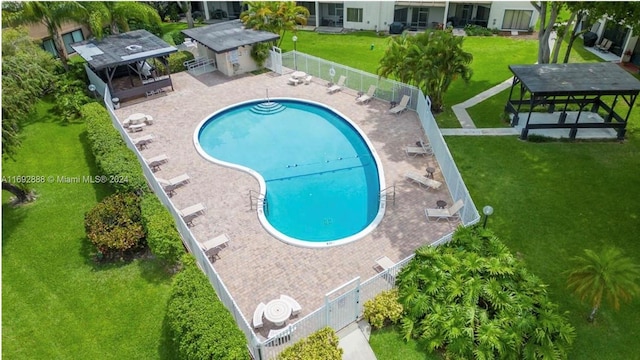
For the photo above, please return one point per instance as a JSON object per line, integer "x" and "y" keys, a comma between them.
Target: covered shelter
{"x": 132, "y": 64}
{"x": 227, "y": 46}
{"x": 576, "y": 96}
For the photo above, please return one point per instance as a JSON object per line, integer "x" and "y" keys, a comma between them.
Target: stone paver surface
{"x": 257, "y": 267}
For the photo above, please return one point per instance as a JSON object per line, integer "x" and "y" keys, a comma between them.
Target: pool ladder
{"x": 257, "y": 200}
{"x": 386, "y": 194}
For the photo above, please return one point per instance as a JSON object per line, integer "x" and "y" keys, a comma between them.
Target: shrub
{"x": 475, "y": 30}
{"x": 197, "y": 16}
{"x": 198, "y": 324}
{"x": 177, "y": 37}
{"x": 260, "y": 53}
{"x": 176, "y": 61}
{"x": 114, "y": 225}
{"x": 321, "y": 345}
{"x": 117, "y": 163}
{"x": 383, "y": 309}
{"x": 162, "y": 237}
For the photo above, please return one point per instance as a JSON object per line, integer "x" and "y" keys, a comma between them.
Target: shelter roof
{"x": 228, "y": 35}
{"x": 601, "y": 78}
{"x": 122, "y": 49}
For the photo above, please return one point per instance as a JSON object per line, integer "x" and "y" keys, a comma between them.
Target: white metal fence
{"x": 345, "y": 304}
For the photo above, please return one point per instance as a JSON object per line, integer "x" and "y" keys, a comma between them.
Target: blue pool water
{"x": 322, "y": 179}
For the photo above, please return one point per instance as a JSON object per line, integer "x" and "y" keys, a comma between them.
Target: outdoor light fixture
{"x": 295, "y": 51}
{"x": 487, "y": 211}
{"x": 92, "y": 88}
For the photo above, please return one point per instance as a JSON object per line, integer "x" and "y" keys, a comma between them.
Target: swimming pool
{"x": 319, "y": 174}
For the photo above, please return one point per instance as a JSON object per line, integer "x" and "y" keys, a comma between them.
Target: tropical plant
{"x": 117, "y": 15}
{"x": 260, "y": 53}
{"x": 275, "y": 17}
{"x": 321, "y": 345}
{"x": 607, "y": 275}
{"x": 51, "y": 14}
{"x": 431, "y": 60}
{"x": 383, "y": 309}
{"x": 471, "y": 299}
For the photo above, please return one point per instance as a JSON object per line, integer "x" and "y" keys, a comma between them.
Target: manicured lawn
{"x": 56, "y": 302}
{"x": 388, "y": 344}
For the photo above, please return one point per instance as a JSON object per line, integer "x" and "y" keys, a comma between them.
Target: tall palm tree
{"x": 117, "y": 14}
{"x": 51, "y": 14}
{"x": 275, "y": 17}
{"x": 608, "y": 275}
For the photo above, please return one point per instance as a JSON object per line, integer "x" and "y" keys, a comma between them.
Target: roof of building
{"x": 228, "y": 35}
{"x": 122, "y": 49}
{"x": 601, "y": 78}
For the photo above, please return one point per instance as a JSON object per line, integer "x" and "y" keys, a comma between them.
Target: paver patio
{"x": 257, "y": 267}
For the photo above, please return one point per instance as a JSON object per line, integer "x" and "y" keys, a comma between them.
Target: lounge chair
{"x": 384, "y": 263}
{"x": 338, "y": 86}
{"x": 421, "y": 148}
{"x": 448, "y": 214}
{"x": 257, "y": 316}
{"x": 423, "y": 180}
{"x": 295, "y": 307}
{"x": 155, "y": 162}
{"x": 605, "y": 48}
{"x": 365, "y": 98}
{"x": 190, "y": 213}
{"x": 213, "y": 246}
{"x": 143, "y": 141}
{"x": 602, "y": 44}
{"x": 172, "y": 184}
{"x": 402, "y": 106}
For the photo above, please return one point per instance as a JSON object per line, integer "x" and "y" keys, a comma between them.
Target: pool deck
{"x": 257, "y": 267}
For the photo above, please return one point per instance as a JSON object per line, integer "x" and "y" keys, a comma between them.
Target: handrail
{"x": 255, "y": 196}
{"x": 384, "y": 193}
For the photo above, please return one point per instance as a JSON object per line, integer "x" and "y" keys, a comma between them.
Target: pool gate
{"x": 345, "y": 304}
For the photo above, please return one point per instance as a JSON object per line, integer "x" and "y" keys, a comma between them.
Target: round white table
{"x": 277, "y": 311}
{"x": 298, "y": 74}
{"x": 137, "y": 118}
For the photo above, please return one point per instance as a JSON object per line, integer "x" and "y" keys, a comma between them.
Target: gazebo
{"x": 584, "y": 95}
{"x": 124, "y": 62}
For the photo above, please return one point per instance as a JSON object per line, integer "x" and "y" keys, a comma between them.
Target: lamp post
{"x": 487, "y": 211}
{"x": 92, "y": 88}
{"x": 295, "y": 52}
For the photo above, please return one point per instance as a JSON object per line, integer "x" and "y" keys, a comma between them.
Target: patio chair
{"x": 447, "y": 214}
{"x": 191, "y": 213}
{"x": 295, "y": 307}
{"x": 143, "y": 141}
{"x": 169, "y": 186}
{"x": 602, "y": 44}
{"x": 213, "y": 246}
{"x": 308, "y": 79}
{"x": 365, "y": 98}
{"x": 605, "y": 48}
{"x": 155, "y": 162}
{"x": 423, "y": 180}
{"x": 402, "y": 106}
{"x": 383, "y": 263}
{"x": 338, "y": 86}
{"x": 257, "y": 316}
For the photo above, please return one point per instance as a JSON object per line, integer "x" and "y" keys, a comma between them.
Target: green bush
{"x": 198, "y": 324}
{"x": 260, "y": 53}
{"x": 118, "y": 164}
{"x": 114, "y": 224}
{"x": 162, "y": 237}
{"x": 178, "y": 37}
{"x": 475, "y": 30}
{"x": 321, "y": 345}
{"x": 176, "y": 61}
{"x": 383, "y": 309}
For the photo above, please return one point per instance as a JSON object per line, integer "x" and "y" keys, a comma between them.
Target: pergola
{"x": 110, "y": 56}
{"x": 595, "y": 88}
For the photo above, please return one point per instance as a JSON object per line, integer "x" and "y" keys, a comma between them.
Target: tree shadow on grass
{"x": 12, "y": 217}
{"x": 167, "y": 349}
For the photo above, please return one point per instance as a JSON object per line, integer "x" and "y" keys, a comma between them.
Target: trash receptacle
{"x": 116, "y": 103}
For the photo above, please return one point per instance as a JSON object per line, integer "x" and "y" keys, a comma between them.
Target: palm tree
{"x": 49, "y": 13}
{"x": 275, "y": 17}
{"x": 393, "y": 63}
{"x": 606, "y": 275}
{"x": 116, "y": 15}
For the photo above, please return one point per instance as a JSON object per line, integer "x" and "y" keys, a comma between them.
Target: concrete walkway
{"x": 354, "y": 341}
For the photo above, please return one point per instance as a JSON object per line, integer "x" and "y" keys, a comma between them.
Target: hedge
{"x": 162, "y": 237}
{"x": 118, "y": 164}
{"x": 199, "y": 325}
{"x": 321, "y": 345}
{"x": 176, "y": 61}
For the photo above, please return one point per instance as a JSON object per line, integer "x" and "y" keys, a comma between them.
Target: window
{"x": 354, "y": 15}
{"x": 68, "y": 38}
{"x": 335, "y": 9}
{"x": 517, "y": 19}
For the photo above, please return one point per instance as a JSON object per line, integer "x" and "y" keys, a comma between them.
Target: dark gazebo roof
{"x": 122, "y": 49}
{"x": 602, "y": 78}
{"x": 228, "y": 35}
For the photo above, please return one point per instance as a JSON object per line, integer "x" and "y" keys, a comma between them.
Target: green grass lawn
{"x": 388, "y": 344}
{"x": 56, "y": 302}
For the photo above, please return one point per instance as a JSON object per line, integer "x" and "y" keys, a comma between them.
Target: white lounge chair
{"x": 213, "y": 246}
{"x": 295, "y": 307}
{"x": 257, "y": 316}
{"x": 142, "y": 141}
{"x": 172, "y": 184}
{"x": 418, "y": 150}
{"x": 155, "y": 162}
{"x": 365, "y": 98}
{"x": 448, "y": 214}
{"x": 423, "y": 180}
{"x": 384, "y": 263}
{"x": 402, "y": 106}
{"x": 190, "y": 213}
{"x": 338, "y": 86}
